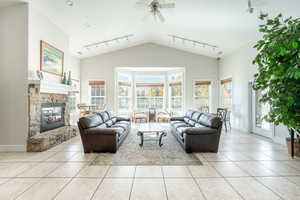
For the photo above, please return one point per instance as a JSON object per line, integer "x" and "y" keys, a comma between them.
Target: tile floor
{"x": 246, "y": 167}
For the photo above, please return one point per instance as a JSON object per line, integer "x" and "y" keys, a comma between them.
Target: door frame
{"x": 252, "y": 128}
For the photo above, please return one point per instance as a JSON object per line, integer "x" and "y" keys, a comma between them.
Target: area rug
{"x": 130, "y": 153}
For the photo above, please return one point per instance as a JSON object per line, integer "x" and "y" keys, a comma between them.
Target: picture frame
{"x": 51, "y": 59}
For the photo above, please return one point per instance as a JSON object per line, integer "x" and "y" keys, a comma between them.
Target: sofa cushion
{"x": 210, "y": 120}
{"x": 123, "y": 126}
{"x": 196, "y": 116}
{"x": 109, "y": 123}
{"x": 105, "y": 116}
{"x": 123, "y": 122}
{"x": 90, "y": 121}
{"x": 197, "y": 125}
{"x": 186, "y": 119}
{"x": 109, "y": 113}
{"x": 191, "y": 123}
{"x": 182, "y": 124}
{"x": 189, "y": 114}
{"x": 175, "y": 122}
{"x": 114, "y": 120}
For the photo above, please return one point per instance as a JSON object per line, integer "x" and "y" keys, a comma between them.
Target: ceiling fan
{"x": 155, "y": 7}
{"x": 250, "y": 7}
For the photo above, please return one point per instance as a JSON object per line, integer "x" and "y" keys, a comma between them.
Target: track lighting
{"x": 107, "y": 42}
{"x": 194, "y": 42}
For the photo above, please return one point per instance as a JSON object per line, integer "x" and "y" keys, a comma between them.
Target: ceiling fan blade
{"x": 167, "y": 5}
{"x": 143, "y": 3}
{"x": 160, "y": 16}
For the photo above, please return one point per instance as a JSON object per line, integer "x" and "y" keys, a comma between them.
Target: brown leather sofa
{"x": 197, "y": 131}
{"x": 103, "y": 132}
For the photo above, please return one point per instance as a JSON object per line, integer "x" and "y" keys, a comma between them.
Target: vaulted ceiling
{"x": 224, "y": 23}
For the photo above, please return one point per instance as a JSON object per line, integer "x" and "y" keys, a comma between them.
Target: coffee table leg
{"x": 142, "y": 139}
{"x": 160, "y": 138}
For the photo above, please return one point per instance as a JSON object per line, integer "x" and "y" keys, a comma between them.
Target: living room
{"x": 150, "y": 104}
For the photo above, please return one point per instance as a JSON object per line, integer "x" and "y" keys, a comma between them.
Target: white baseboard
{"x": 13, "y": 148}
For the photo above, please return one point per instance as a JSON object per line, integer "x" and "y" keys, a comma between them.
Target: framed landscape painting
{"x": 52, "y": 59}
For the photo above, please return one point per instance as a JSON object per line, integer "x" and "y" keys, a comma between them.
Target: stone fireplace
{"x": 49, "y": 118}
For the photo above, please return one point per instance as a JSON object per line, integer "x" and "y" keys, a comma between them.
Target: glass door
{"x": 259, "y": 125}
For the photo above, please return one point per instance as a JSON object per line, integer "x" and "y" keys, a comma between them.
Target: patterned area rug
{"x": 130, "y": 153}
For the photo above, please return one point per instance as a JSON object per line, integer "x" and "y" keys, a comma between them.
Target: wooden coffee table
{"x": 151, "y": 129}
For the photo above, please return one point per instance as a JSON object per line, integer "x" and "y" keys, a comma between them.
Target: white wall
{"x": 239, "y": 66}
{"x": 148, "y": 55}
{"x": 13, "y": 77}
{"x": 41, "y": 28}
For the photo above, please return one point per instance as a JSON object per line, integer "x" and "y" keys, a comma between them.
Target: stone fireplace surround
{"x": 38, "y": 141}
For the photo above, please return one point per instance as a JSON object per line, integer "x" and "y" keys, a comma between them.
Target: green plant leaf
{"x": 295, "y": 45}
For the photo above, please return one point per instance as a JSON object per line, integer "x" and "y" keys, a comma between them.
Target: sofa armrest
{"x": 101, "y": 131}
{"x": 201, "y": 131}
{"x": 177, "y": 119}
{"x": 123, "y": 119}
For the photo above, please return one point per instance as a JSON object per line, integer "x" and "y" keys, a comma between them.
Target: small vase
{"x": 69, "y": 79}
{"x": 64, "y": 79}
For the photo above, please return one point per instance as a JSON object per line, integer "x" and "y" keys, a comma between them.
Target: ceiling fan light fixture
{"x": 69, "y": 3}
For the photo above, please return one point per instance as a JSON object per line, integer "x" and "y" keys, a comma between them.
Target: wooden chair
{"x": 83, "y": 109}
{"x": 228, "y": 120}
{"x": 164, "y": 116}
{"x": 139, "y": 116}
{"x": 98, "y": 109}
{"x": 152, "y": 115}
{"x": 222, "y": 113}
{"x": 204, "y": 109}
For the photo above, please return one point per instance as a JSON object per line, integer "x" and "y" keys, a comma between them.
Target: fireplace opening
{"x": 52, "y": 116}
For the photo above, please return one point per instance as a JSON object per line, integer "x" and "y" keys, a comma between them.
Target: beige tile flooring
{"x": 246, "y": 167}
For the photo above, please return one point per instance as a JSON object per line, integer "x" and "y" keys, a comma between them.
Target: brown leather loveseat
{"x": 103, "y": 132}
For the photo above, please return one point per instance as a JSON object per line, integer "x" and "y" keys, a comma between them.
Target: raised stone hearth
{"x": 38, "y": 141}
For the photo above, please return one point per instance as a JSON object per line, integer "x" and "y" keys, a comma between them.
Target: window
{"x": 149, "y": 96}
{"x": 124, "y": 93}
{"x": 149, "y": 92}
{"x": 176, "y": 90}
{"x": 226, "y": 92}
{"x": 201, "y": 95}
{"x": 97, "y": 93}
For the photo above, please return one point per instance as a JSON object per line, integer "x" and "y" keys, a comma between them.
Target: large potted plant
{"x": 278, "y": 63}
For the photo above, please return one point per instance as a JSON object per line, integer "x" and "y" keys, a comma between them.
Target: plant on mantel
{"x": 278, "y": 62}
